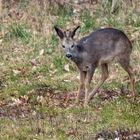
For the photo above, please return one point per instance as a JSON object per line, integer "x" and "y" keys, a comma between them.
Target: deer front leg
{"x": 88, "y": 79}
{"x": 82, "y": 85}
{"x": 104, "y": 69}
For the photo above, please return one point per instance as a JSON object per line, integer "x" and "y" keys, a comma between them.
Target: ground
{"x": 38, "y": 84}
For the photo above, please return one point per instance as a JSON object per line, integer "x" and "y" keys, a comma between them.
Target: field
{"x": 38, "y": 84}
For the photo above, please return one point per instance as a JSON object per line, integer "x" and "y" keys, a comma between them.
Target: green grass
{"x": 26, "y": 71}
{"x": 19, "y": 32}
{"x": 77, "y": 123}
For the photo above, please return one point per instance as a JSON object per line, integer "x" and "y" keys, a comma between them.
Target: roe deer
{"x": 98, "y": 48}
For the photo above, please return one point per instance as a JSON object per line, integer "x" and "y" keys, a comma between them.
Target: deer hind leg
{"x": 104, "y": 69}
{"x": 82, "y": 85}
{"x": 126, "y": 66}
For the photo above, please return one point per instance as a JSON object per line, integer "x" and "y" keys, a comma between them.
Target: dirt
{"x": 121, "y": 134}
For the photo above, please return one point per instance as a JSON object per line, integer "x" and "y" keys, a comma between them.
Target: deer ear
{"x": 74, "y": 31}
{"x": 59, "y": 32}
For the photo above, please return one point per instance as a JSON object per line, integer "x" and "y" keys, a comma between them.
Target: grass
{"x": 61, "y": 123}
{"x": 19, "y": 32}
{"x": 31, "y": 59}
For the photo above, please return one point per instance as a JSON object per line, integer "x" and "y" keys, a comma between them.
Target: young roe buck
{"x": 97, "y": 49}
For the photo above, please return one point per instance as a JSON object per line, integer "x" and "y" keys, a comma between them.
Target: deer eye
{"x": 72, "y": 46}
{"x": 63, "y": 46}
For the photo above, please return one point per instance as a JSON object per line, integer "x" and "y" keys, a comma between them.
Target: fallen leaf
{"x": 16, "y": 72}
{"x": 0, "y": 40}
{"x": 33, "y": 62}
{"x": 67, "y": 67}
{"x": 41, "y": 52}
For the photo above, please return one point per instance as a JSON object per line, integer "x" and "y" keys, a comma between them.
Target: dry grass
{"x": 30, "y": 57}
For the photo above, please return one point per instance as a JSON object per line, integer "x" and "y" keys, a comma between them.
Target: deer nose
{"x": 68, "y": 55}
